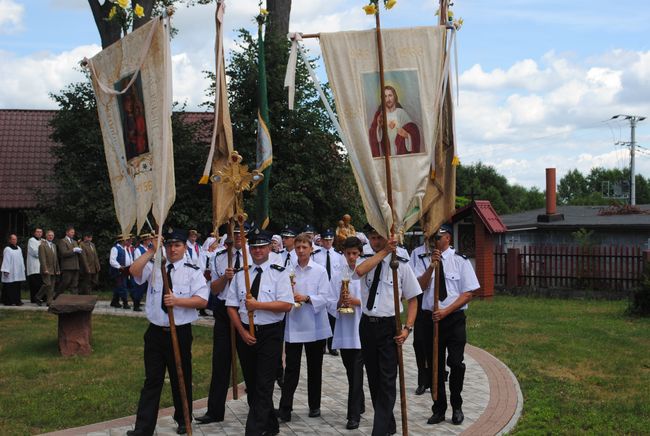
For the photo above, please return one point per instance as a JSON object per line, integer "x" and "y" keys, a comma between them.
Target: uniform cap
{"x": 174, "y": 235}
{"x": 288, "y": 232}
{"x": 446, "y": 228}
{"x": 309, "y": 229}
{"x": 258, "y": 237}
{"x": 327, "y": 234}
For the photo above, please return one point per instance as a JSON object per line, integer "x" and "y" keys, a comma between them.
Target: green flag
{"x": 264, "y": 145}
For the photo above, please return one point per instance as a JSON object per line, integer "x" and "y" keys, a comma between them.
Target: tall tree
{"x": 278, "y": 22}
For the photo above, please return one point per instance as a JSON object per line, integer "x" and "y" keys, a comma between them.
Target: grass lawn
{"x": 41, "y": 391}
{"x": 583, "y": 367}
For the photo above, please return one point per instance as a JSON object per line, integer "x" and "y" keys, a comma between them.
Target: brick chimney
{"x": 551, "y": 214}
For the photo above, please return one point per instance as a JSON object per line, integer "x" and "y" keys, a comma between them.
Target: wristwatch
{"x": 308, "y": 300}
{"x": 408, "y": 327}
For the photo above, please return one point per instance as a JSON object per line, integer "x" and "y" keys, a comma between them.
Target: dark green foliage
{"x": 484, "y": 183}
{"x": 640, "y": 299}
{"x": 577, "y": 189}
{"x": 84, "y": 197}
{"x": 311, "y": 181}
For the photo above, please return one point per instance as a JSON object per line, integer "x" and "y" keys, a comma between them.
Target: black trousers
{"x": 158, "y": 357}
{"x": 380, "y": 359}
{"x": 11, "y": 294}
{"x": 35, "y": 283}
{"x": 353, "y": 362}
{"x": 259, "y": 365}
{"x": 423, "y": 347}
{"x": 221, "y": 361}
{"x": 452, "y": 339}
{"x": 293, "y": 354}
{"x": 332, "y": 321}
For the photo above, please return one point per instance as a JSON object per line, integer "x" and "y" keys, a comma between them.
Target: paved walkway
{"x": 492, "y": 400}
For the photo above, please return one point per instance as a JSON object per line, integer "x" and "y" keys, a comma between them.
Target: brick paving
{"x": 491, "y": 394}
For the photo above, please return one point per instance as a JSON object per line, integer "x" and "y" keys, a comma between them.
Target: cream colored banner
{"x": 132, "y": 82}
{"x": 414, "y": 65}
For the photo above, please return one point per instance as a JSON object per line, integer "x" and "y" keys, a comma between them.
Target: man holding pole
{"x": 188, "y": 292}
{"x": 377, "y": 327}
{"x": 457, "y": 283}
{"x": 259, "y": 353}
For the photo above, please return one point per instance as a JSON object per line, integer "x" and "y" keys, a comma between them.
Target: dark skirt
{"x": 11, "y": 294}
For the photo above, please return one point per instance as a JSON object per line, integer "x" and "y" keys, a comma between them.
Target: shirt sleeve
{"x": 319, "y": 300}
{"x": 32, "y": 248}
{"x": 112, "y": 259}
{"x": 146, "y": 273}
{"x": 232, "y": 299}
{"x": 199, "y": 286}
{"x": 333, "y": 297}
{"x": 283, "y": 288}
{"x": 469, "y": 281}
{"x": 410, "y": 286}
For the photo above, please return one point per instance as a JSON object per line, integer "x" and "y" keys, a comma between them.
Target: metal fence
{"x": 572, "y": 267}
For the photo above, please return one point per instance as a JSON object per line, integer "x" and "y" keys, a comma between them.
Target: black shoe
{"x": 134, "y": 433}
{"x": 115, "y": 304}
{"x": 181, "y": 429}
{"x": 207, "y": 419}
{"x": 457, "y": 416}
{"x": 334, "y": 352}
{"x": 436, "y": 418}
{"x": 126, "y": 306}
{"x": 271, "y": 432}
{"x": 314, "y": 413}
{"x": 352, "y": 424}
{"x": 420, "y": 390}
{"x": 137, "y": 309}
{"x": 39, "y": 303}
{"x": 283, "y": 416}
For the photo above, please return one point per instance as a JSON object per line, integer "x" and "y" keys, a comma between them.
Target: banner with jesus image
{"x": 413, "y": 84}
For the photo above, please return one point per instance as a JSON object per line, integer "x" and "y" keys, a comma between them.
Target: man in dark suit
{"x": 68, "y": 252}
{"x": 89, "y": 265}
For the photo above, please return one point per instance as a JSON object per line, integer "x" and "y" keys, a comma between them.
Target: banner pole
{"x": 389, "y": 195}
{"x": 233, "y": 348}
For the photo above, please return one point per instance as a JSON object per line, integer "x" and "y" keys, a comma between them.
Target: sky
{"x": 539, "y": 80}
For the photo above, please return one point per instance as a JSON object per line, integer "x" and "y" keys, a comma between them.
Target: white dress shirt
{"x": 274, "y": 286}
{"x": 420, "y": 261}
{"x": 336, "y": 259}
{"x": 384, "y": 304}
{"x": 219, "y": 263}
{"x": 286, "y": 257}
{"x": 309, "y": 322}
{"x": 346, "y": 329}
{"x": 33, "y": 264}
{"x": 459, "y": 278}
{"x": 112, "y": 258}
{"x": 187, "y": 281}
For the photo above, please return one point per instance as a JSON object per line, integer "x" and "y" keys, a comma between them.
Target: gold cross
{"x": 236, "y": 175}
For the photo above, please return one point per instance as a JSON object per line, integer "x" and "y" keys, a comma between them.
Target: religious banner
{"x": 221, "y": 147}
{"x": 264, "y": 150}
{"x": 415, "y": 72}
{"x": 132, "y": 83}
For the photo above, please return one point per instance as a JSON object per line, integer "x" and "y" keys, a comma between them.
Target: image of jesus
{"x": 403, "y": 133}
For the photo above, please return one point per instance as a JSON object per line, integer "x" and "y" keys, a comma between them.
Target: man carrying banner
{"x": 259, "y": 354}
{"x": 188, "y": 292}
{"x": 377, "y": 327}
{"x": 457, "y": 283}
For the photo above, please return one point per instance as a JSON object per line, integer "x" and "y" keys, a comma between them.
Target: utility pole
{"x": 633, "y": 119}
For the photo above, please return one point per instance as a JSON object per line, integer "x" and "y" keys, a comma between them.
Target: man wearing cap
{"x": 194, "y": 253}
{"x": 331, "y": 260}
{"x": 188, "y": 292}
{"x": 120, "y": 260}
{"x": 456, "y": 290}
{"x": 259, "y": 354}
{"x": 305, "y": 326}
{"x": 89, "y": 264}
{"x": 221, "y": 274}
{"x": 287, "y": 254}
{"x": 138, "y": 290}
{"x": 423, "y": 328}
{"x": 377, "y": 326}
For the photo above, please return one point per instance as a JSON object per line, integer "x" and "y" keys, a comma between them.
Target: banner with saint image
{"x": 414, "y": 81}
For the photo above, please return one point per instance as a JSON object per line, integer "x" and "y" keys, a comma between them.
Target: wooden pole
{"x": 389, "y": 194}
{"x": 247, "y": 277}
{"x": 233, "y": 348}
{"x": 176, "y": 350}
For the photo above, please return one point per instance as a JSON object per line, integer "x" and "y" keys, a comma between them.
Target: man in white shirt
{"x": 188, "y": 292}
{"x": 346, "y": 308}
{"x": 456, "y": 290}
{"x": 377, "y": 327}
{"x": 120, "y": 260}
{"x": 306, "y": 325}
{"x": 259, "y": 354}
{"x": 33, "y": 266}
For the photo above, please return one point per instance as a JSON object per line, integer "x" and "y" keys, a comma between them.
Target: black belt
{"x": 167, "y": 329}
{"x": 378, "y": 319}
{"x": 263, "y": 327}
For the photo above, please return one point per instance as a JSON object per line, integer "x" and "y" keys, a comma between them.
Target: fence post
{"x": 513, "y": 268}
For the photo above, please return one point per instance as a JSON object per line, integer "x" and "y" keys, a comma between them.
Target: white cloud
{"x": 11, "y": 17}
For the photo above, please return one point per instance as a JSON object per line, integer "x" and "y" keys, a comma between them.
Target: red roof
{"x": 26, "y": 164}
{"x": 486, "y": 213}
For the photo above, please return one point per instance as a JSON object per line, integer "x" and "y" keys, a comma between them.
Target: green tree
{"x": 312, "y": 180}
{"x": 571, "y": 187}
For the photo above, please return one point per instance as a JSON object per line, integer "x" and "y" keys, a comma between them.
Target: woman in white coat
{"x": 13, "y": 272}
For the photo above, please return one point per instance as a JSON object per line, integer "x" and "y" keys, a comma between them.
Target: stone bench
{"x": 75, "y": 326}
